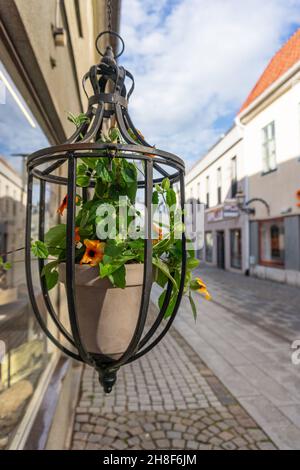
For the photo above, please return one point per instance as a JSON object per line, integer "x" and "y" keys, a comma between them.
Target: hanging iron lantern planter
{"x": 107, "y": 319}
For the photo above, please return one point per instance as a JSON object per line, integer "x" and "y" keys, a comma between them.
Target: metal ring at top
{"x": 112, "y": 33}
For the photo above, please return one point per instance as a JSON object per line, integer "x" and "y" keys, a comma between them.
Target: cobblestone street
{"x": 226, "y": 382}
{"x": 167, "y": 400}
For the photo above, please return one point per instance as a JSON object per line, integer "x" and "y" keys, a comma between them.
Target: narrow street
{"x": 226, "y": 382}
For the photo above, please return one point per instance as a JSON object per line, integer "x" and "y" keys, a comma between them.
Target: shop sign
{"x": 230, "y": 209}
{"x": 215, "y": 215}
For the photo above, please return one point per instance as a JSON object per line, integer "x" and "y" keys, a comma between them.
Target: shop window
{"x": 272, "y": 242}
{"x": 26, "y": 351}
{"x": 236, "y": 248}
{"x": 208, "y": 247}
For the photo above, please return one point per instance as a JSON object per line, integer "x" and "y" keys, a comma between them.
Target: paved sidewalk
{"x": 247, "y": 344}
{"x": 271, "y": 305}
{"x": 167, "y": 400}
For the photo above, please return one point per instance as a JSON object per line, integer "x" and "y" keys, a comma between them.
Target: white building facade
{"x": 214, "y": 181}
{"x": 271, "y": 128}
{"x": 259, "y": 157}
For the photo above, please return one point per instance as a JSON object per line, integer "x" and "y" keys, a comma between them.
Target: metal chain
{"x": 109, "y": 14}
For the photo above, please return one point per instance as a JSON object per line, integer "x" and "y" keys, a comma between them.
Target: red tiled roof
{"x": 283, "y": 60}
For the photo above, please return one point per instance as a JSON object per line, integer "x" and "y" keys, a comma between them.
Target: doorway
{"x": 220, "y": 250}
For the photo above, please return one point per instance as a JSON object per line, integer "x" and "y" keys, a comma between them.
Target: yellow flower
{"x": 94, "y": 252}
{"x": 203, "y": 289}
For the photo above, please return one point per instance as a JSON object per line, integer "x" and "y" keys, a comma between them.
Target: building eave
{"x": 279, "y": 87}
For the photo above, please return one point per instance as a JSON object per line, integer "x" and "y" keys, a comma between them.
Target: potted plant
{"x": 109, "y": 263}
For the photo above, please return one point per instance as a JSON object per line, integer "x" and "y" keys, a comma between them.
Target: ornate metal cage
{"x": 105, "y": 104}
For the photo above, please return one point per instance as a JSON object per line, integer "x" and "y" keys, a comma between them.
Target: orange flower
{"x": 94, "y": 252}
{"x": 64, "y": 204}
{"x": 159, "y": 232}
{"x": 77, "y": 235}
{"x": 203, "y": 289}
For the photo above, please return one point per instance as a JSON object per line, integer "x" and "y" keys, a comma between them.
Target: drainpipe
{"x": 246, "y": 230}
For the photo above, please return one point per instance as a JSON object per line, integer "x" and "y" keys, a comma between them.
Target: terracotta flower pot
{"x": 107, "y": 315}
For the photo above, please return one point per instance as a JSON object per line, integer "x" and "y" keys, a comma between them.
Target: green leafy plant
{"x": 5, "y": 265}
{"x": 115, "y": 177}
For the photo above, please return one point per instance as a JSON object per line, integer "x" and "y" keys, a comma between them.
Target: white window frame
{"x": 269, "y": 147}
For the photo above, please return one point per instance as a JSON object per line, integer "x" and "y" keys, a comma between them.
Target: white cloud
{"x": 195, "y": 61}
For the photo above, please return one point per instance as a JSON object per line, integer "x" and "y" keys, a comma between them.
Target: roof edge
{"x": 273, "y": 87}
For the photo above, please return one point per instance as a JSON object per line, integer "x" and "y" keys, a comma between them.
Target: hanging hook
{"x": 111, "y": 33}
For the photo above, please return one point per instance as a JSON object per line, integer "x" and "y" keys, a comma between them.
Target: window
{"x": 27, "y": 352}
{"x": 268, "y": 148}
{"x": 272, "y": 242}
{"x": 198, "y": 192}
{"x": 236, "y": 248}
{"x": 191, "y": 194}
{"x": 207, "y": 192}
{"x": 233, "y": 177}
{"x": 219, "y": 185}
{"x": 15, "y": 204}
{"x": 208, "y": 247}
{"x": 7, "y": 199}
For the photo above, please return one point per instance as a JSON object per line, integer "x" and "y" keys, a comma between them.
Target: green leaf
{"x": 56, "y": 236}
{"x": 82, "y": 168}
{"x": 193, "y": 306}
{"x": 49, "y": 267}
{"x": 131, "y": 190}
{"x": 171, "y": 197}
{"x": 112, "y": 249}
{"x": 77, "y": 120}
{"x": 118, "y": 277}
{"x": 51, "y": 279}
{"x": 165, "y": 270}
{"x": 102, "y": 171}
{"x": 39, "y": 249}
{"x": 160, "y": 278}
{"x": 7, "y": 266}
{"x": 129, "y": 172}
{"x": 90, "y": 162}
{"x": 165, "y": 184}
{"x": 83, "y": 181}
{"x": 194, "y": 284}
{"x": 192, "y": 263}
{"x": 171, "y": 304}
{"x": 155, "y": 198}
{"x": 113, "y": 134}
{"x": 50, "y": 273}
{"x": 84, "y": 219}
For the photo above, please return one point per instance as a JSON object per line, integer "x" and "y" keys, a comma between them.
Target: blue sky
{"x": 195, "y": 61}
